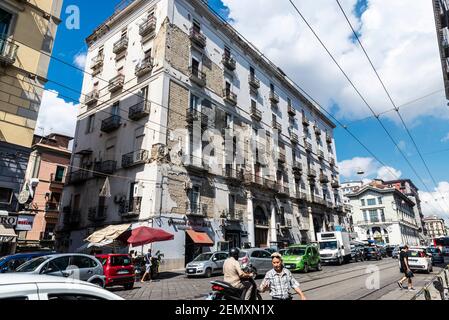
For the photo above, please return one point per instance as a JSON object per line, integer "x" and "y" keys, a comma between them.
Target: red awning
{"x": 200, "y": 238}
{"x": 146, "y": 235}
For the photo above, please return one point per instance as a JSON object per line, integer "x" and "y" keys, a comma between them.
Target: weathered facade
{"x": 206, "y": 139}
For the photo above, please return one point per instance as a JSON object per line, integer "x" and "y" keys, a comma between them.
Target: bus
{"x": 443, "y": 244}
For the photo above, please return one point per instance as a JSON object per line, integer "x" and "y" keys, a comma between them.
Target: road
{"x": 369, "y": 280}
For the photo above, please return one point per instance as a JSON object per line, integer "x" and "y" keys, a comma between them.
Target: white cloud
{"x": 388, "y": 173}
{"x": 80, "y": 60}
{"x": 350, "y": 169}
{"x": 436, "y": 202}
{"x": 56, "y": 115}
{"x": 405, "y": 54}
{"x": 445, "y": 138}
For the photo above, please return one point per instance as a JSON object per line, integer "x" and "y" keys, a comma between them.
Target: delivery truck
{"x": 335, "y": 246}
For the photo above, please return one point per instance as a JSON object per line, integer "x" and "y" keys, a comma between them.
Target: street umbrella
{"x": 145, "y": 235}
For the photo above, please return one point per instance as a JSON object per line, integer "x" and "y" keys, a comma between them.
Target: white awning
{"x": 107, "y": 234}
{"x": 7, "y": 234}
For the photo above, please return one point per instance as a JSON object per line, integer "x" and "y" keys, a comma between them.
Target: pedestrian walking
{"x": 148, "y": 264}
{"x": 405, "y": 267}
{"x": 280, "y": 281}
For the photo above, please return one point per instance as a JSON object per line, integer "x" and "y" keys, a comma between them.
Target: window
{"x": 379, "y": 200}
{"x": 90, "y": 124}
{"x": 252, "y": 72}
{"x": 373, "y": 216}
{"x": 265, "y": 255}
{"x": 115, "y": 111}
{"x": 382, "y": 215}
{"x": 272, "y": 87}
{"x": 195, "y": 67}
{"x": 73, "y": 297}
{"x": 363, "y": 202}
{"x": 83, "y": 262}
{"x": 196, "y": 25}
{"x": 124, "y": 33}
{"x": 194, "y": 102}
{"x": 371, "y": 202}
{"x": 289, "y": 102}
{"x": 231, "y": 203}
{"x": 256, "y": 254}
{"x": 227, "y": 52}
{"x": 5, "y": 22}
{"x": 194, "y": 198}
{"x": 36, "y": 167}
{"x": 59, "y": 176}
{"x": 5, "y": 195}
{"x": 253, "y": 104}
{"x": 56, "y": 265}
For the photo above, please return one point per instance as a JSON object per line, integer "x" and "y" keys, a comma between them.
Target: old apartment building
{"x": 195, "y": 132}
{"x": 27, "y": 33}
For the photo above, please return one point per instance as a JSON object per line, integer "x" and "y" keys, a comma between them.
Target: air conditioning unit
{"x": 138, "y": 190}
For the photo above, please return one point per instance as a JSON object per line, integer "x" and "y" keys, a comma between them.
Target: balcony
{"x": 196, "y": 164}
{"x": 294, "y": 137}
{"x": 56, "y": 183}
{"x": 324, "y": 178}
{"x": 305, "y": 121}
{"x": 194, "y": 116}
{"x": 319, "y": 200}
{"x": 297, "y": 167}
{"x": 229, "y": 97}
{"x": 282, "y": 157}
{"x": 282, "y": 189}
{"x": 231, "y": 174}
{"x": 197, "y": 38}
{"x": 229, "y": 62}
{"x": 71, "y": 217}
{"x": 198, "y": 77}
{"x": 291, "y": 111}
{"x": 97, "y": 214}
{"x": 105, "y": 167}
{"x": 308, "y": 146}
{"x": 97, "y": 62}
{"x": 131, "y": 208}
{"x": 196, "y": 209}
{"x": 92, "y": 97}
{"x": 332, "y": 162}
{"x": 261, "y": 223}
{"x": 256, "y": 114}
{"x": 251, "y": 179}
{"x": 8, "y": 52}
{"x": 301, "y": 195}
{"x": 276, "y": 125}
{"x": 254, "y": 83}
{"x": 135, "y": 158}
{"x": 76, "y": 177}
{"x": 121, "y": 45}
{"x": 116, "y": 83}
{"x": 52, "y": 206}
{"x": 335, "y": 184}
{"x": 328, "y": 138}
{"x": 274, "y": 98}
{"x": 375, "y": 222}
{"x": 139, "y": 111}
{"x": 148, "y": 26}
{"x": 321, "y": 154}
{"x": 311, "y": 173}
{"x": 144, "y": 67}
{"x": 232, "y": 215}
{"x": 317, "y": 131}
{"x": 111, "y": 124}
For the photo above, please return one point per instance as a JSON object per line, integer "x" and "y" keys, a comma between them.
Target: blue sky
{"x": 428, "y": 130}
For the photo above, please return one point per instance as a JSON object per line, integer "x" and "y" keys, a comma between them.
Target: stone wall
{"x": 178, "y": 49}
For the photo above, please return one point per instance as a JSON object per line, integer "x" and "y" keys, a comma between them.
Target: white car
{"x": 36, "y": 287}
{"x": 418, "y": 260}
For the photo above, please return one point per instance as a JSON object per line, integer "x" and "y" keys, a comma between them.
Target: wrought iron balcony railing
{"x": 198, "y": 38}
{"x": 139, "y": 110}
{"x": 111, "y": 124}
{"x": 8, "y": 52}
{"x": 135, "y": 158}
{"x": 198, "y": 77}
{"x": 148, "y": 26}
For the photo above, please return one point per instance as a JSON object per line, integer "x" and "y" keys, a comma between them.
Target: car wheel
{"x": 129, "y": 286}
{"x": 319, "y": 267}
{"x": 340, "y": 261}
{"x": 208, "y": 273}
{"x": 306, "y": 268}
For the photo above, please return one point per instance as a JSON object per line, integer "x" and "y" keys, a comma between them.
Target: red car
{"x": 118, "y": 270}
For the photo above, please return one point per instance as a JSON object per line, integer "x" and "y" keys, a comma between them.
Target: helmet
{"x": 234, "y": 253}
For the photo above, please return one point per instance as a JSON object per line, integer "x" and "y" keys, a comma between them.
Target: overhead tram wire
{"x": 134, "y": 93}
{"x": 389, "y": 97}
{"x": 360, "y": 95}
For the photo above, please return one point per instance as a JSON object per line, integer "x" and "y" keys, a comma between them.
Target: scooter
{"x": 224, "y": 291}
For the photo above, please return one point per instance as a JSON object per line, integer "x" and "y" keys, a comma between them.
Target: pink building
{"x": 48, "y": 162}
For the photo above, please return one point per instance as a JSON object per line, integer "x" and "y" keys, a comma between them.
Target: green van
{"x": 302, "y": 258}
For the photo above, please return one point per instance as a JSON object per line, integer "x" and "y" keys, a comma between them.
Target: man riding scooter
{"x": 233, "y": 274}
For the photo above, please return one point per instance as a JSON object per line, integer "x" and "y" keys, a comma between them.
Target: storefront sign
{"x": 8, "y": 221}
{"x": 24, "y": 223}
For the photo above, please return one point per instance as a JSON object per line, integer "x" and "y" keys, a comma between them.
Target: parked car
{"x": 357, "y": 254}
{"x": 372, "y": 253}
{"x": 383, "y": 251}
{"x": 302, "y": 258}
{"x": 418, "y": 260}
{"x": 118, "y": 270}
{"x": 12, "y": 262}
{"x": 79, "y": 266}
{"x": 271, "y": 250}
{"x": 389, "y": 250}
{"x": 207, "y": 264}
{"x": 282, "y": 252}
{"x": 395, "y": 253}
{"x": 21, "y": 287}
{"x": 437, "y": 255}
{"x": 258, "y": 258}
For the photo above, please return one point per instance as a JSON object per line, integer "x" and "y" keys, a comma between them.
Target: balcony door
{"x": 5, "y": 23}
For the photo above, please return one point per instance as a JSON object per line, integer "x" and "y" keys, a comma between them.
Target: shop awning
{"x": 7, "y": 234}
{"x": 108, "y": 234}
{"x": 200, "y": 238}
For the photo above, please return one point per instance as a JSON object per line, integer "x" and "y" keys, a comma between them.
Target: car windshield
{"x": 370, "y": 249}
{"x": 417, "y": 253}
{"x": 204, "y": 257}
{"x": 295, "y": 252}
{"x": 328, "y": 245}
{"x": 431, "y": 250}
{"x": 32, "y": 265}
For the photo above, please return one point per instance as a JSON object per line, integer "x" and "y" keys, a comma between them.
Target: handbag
{"x": 410, "y": 274}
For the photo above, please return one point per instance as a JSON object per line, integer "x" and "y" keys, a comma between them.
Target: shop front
{"x": 8, "y": 236}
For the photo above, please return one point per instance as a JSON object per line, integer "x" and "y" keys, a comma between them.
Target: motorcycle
{"x": 224, "y": 291}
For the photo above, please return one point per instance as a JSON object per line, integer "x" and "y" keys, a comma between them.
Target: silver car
{"x": 260, "y": 260}
{"x": 207, "y": 264}
{"x": 78, "y": 266}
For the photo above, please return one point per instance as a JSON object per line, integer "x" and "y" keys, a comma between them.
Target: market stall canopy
{"x": 85, "y": 247}
{"x": 7, "y": 234}
{"x": 200, "y": 238}
{"x": 145, "y": 235}
{"x": 108, "y": 234}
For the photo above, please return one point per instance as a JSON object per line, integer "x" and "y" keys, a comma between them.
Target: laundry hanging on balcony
{"x": 106, "y": 189}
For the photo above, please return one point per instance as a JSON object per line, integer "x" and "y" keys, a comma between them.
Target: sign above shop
{"x": 8, "y": 221}
{"x": 25, "y": 223}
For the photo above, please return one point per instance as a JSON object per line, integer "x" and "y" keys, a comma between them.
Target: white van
{"x": 335, "y": 246}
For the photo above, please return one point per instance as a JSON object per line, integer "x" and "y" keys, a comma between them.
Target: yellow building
{"x": 27, "y": 32}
